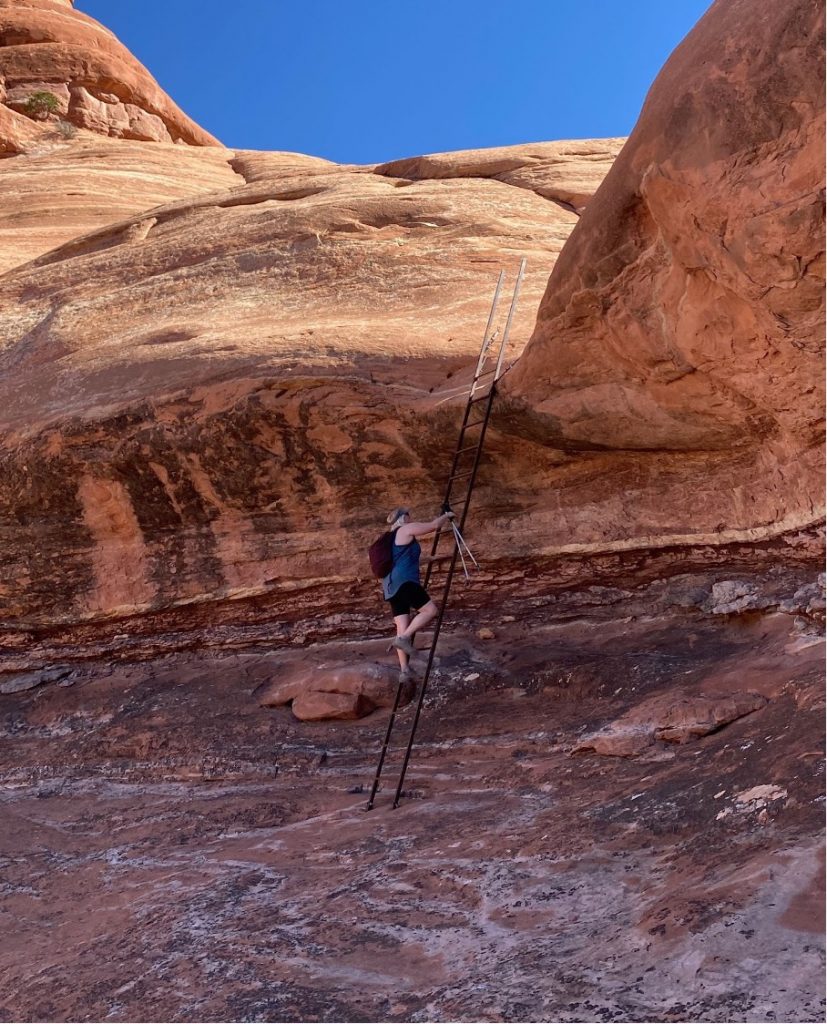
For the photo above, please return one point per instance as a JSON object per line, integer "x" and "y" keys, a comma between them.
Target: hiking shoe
{"x": 403, "y": 643}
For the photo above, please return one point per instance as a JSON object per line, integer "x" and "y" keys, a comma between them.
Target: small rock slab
{"x": 673, "y": 718}
{"x": 29, "y": 680}
{"x": 359, "y": 687}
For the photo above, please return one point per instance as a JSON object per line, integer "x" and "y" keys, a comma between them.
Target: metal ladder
{"x": 464, "y": 468}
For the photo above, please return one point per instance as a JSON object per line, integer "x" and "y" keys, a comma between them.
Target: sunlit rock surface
{"x": 679, "y": 345}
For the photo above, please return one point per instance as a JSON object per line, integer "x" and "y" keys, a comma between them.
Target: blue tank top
{"x": 405, "y": 567}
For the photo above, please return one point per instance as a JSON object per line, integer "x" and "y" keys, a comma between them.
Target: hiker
{"x": 402, "y": 587}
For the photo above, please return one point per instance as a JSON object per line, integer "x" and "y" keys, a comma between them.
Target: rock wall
{"x": 47, "y": 46}
{"x": 679, "y": 345}
{"x": 193, "y": 395}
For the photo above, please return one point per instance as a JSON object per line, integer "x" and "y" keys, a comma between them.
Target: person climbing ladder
{"x": 402, "y": 586}
{"x": 385, "y": 551}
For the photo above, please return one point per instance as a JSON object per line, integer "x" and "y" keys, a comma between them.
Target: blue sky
{"x": 360, "y": 81}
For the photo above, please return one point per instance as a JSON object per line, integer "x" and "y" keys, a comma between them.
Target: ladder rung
{"x": 485, "y": 373}
{"x": 470, "y": 448}
{"x": 459, "y": 476}
{"x": 479, "y": 398}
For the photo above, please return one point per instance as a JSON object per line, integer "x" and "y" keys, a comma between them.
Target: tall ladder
{"x": 463, "y": 474}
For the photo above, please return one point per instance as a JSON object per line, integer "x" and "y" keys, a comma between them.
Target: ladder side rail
{"x": 385, "y": 744}
{"x": 486, "y": 336}
{"x": 511, "y": 309}
{"x": 457, "y": 451}
{"x": 473, "y": 477}
{"x": 453, "y": 476}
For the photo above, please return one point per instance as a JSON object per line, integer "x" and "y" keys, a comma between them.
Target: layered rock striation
{"x": 61, "y": 190}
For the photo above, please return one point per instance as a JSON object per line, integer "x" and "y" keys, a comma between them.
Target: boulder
{"x": 278, "y": 692}
{"x": 673, "y": 718}
{"x": 317, "y": 706}
{"x": 374, "y": 684}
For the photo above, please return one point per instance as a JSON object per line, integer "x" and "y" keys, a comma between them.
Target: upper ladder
{"x": 458, "y": 491}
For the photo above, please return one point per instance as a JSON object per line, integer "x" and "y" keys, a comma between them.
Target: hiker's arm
{"x": 407, "y": 532}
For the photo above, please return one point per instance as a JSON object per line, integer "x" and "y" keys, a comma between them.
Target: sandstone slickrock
{"x": 61, "y": 189}
{"x": 567, "y": 172}
{"x": 47, "y": 46}
{"x": 237, "y": 876}
{"x": 679, "y": 345}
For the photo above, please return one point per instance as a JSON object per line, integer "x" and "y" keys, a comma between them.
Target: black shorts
{"x": 410, "y": 595}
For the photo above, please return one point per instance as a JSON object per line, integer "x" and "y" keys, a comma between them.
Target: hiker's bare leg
{"x": 401, "y": 625}
{"x": 422, "y": 618}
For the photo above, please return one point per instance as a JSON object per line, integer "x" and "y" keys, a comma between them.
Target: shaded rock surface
{"x": 48, "y": 46}
{"x": 211, "y": 383}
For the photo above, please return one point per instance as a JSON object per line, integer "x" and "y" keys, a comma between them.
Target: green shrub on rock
{"x": 40, "y": 104}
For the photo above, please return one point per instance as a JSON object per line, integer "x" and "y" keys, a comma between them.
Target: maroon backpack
{"x": 381, "y": 554}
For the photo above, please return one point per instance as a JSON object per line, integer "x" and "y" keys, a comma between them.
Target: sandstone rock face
{"x": 567, "y": 172}
{"x": 318, "y": 706}
{"x": 679, "y": 344}
{"x": 216, "y": 399}
{"x": 254, "y": 369}
{"x": 47, "y": 46}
